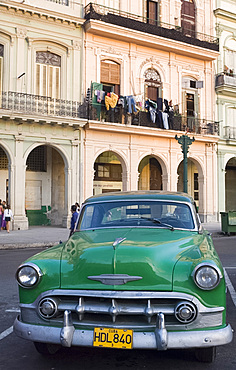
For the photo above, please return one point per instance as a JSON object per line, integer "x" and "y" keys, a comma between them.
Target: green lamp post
{"x": 185, "y": 143}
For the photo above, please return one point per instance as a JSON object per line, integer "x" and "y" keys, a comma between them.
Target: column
{"x": 18, "y": 187}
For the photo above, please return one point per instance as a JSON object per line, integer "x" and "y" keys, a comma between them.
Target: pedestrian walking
{"x": 8, "y": 217}
{"x": 73, "y": 219}
{"x": 1, "y": 214}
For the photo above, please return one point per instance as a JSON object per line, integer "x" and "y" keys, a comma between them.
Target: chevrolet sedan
{"x": 138, "y": 272}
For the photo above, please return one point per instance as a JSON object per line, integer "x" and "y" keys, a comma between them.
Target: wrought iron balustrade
{"x": 147, "y": 25}
{"x": 42, "y": 105}
{"x": 223, "y": 79}
{"x": 142, "y": 118}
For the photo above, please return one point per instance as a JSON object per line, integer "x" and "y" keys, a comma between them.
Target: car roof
{"x": 141, "y": 195}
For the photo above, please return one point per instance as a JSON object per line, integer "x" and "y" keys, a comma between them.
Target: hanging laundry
{"x": 131, "y": 103}
{"x": 165, "y": 120}
{"x": 111, "y": 101}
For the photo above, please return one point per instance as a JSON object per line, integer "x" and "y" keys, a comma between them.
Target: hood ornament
{"x": 117, "y": 242}
{"x": 114, "y": 279}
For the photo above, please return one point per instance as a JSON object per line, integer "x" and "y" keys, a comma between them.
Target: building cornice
{"x": 40, "y": 12}
{"x": 224, "y": 14}
{"x": 112, "y": 31}
{"x": 144, "y": 131}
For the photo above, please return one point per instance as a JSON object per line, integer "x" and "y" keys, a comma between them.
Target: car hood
{"x": 140, "y": 259}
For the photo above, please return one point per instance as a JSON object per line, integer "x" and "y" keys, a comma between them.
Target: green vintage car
{"x": 138, "y": 272}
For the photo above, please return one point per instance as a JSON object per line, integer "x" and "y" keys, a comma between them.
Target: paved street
{"x": 17, "y": 353}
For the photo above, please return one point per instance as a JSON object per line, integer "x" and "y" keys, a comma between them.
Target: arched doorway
{"x": 150, "y": 177}
{"x": 230, "y": 181}
{"x": 45, "y": 186}
{"x": 107, "y": 173}
{"x": 4, "y": 176}
{"x": 193, "y": 180}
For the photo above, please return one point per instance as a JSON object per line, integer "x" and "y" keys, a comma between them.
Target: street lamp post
{"x": 185, "y": 143}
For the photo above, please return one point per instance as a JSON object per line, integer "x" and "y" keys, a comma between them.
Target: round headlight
{"x": 206, "y": 276}
{"x": 28, "y": 275}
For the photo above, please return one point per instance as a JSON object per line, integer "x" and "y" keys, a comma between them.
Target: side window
{"x": 48, "y": 73}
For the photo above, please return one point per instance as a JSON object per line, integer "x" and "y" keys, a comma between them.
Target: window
{"x": 188, "y": 17}
{"x": 152, "y": 84}
{"x": 108, "y": 171}
{"x": 152, "y": 12}
{"x": 48, "y": 67}
{"x": 110, "y": 76}
{"x": 3, "y": 160}
{"x": 37, "y": 159}
{"x": 1, "y": 66}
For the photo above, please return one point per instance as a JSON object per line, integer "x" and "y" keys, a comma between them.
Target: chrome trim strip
{"x": 179, "y": 339}
{"x": 124, "y": 295}
{"x": 114, "y": 279}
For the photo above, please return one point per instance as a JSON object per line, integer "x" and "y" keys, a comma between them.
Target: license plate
{"x": 113, "y": 338}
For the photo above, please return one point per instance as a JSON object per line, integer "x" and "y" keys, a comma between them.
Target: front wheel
{"x": 46, "y": 349}
{"x": 205, "y": 354}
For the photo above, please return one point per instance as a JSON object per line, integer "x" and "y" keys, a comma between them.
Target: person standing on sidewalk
{"x": 8, "y": 216}
{"x": 73, "y": 219}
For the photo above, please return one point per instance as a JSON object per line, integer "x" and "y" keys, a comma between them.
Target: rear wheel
{"x": 205, "y": 354}
{"x": 46, "y": 349}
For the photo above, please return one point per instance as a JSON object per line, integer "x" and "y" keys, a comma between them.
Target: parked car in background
{"x": 139, "y": 272}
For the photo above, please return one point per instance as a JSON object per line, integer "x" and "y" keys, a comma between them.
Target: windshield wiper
{"x": 159, "y": 222}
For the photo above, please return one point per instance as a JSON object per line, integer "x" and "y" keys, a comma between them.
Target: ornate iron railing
{"x": 142, "y": 118}
{"x": 223, "y": 78}
{"x": 147, "y": 25}
{"x": 42, "y": 105}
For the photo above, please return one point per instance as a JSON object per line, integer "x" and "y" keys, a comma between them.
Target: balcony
{"x": 45, "y": 109}
{"x": 41, "y": 106}
{"x": 142, "y": 118}
{"x": 143, "y": 24}
{"x": 229, "y": 133}
{"x": 225, "y": 83}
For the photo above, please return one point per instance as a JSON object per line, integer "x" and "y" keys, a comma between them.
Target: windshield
{"x": 136, "y": 213}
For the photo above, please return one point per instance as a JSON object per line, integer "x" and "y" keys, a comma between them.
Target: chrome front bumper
{"x": 160, "y": 339}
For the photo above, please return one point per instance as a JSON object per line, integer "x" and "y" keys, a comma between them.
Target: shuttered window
{"x": 152, "y": 12}
{"x": 48, "y": 69}
{"x": 110, "y": 72}
{"x": 188, "y": 20}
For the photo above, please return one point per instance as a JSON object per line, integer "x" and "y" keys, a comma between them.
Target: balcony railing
{"x": 62, "y": 2}
{"x": 230, "y": 133}
{"x": 45, "y": 107}
{"x": 142, "y": 118}
{"x": 42, "y": 105}
{"x": 140, "y": 23}
{"x": 225, "y": 79}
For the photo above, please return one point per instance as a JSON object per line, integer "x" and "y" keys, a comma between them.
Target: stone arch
{"x": 109, "y": 184}
{"x": 47, "y": 184}
{"x": 163, "y": 166}
{"x": 6, "y": 175}
{"x": 196, "y": 176}
{"x": 230, "y": 178}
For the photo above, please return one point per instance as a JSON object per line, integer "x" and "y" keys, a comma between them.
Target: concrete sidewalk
{"x": 47, "y": 236}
